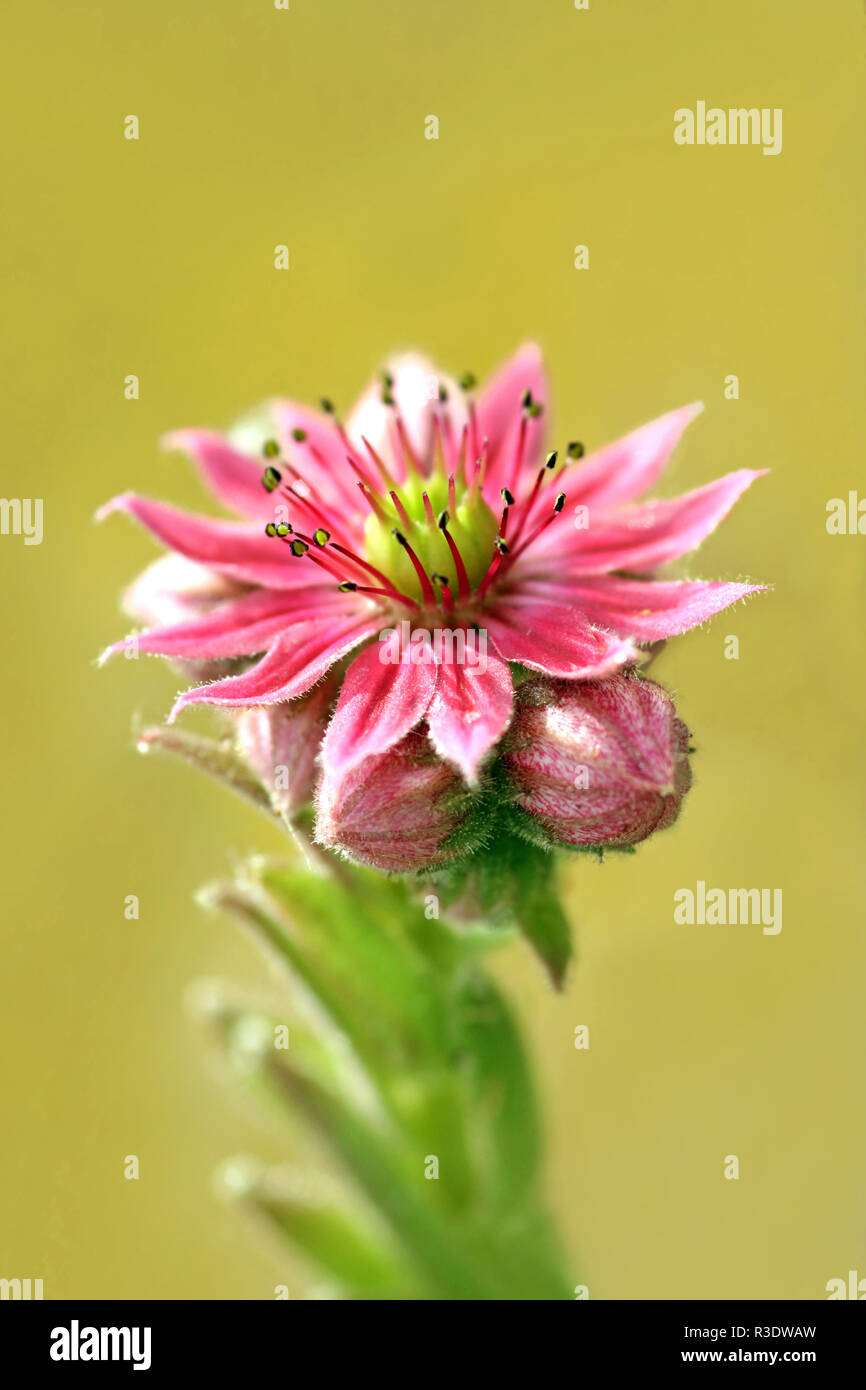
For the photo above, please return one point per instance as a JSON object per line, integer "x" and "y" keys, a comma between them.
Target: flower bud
{"x": 598, "y": 762}
{"x": 395, "y": 811}
{"x": 281, "y": 743}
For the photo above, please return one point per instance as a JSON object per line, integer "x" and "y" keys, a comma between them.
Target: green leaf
{"x": 343, "y": 1243}
{"x": 402, "y": 1051}
{"x": 217, "y": 759}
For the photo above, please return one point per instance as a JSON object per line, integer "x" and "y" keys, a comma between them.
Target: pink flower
{"x": 435, "y": 507}
{"x": 395, "y": 811}
{"x": 599, "y": 762}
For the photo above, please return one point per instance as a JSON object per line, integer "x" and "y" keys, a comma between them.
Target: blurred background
{"x": 154, "y": 257}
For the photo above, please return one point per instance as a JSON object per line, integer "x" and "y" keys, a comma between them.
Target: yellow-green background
{"x": 156, "y": 258}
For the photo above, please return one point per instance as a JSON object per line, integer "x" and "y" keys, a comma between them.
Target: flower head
{"x": 599, "y": 762}
{"x": 434, "y": 509}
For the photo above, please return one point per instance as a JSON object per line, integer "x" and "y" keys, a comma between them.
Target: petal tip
{"x": 120, "y": 503}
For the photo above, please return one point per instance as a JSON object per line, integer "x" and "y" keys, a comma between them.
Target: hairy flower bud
{"x": 397, "y": 811}
{"x": 280, "y": 743}
{"x": 598, "y": 762}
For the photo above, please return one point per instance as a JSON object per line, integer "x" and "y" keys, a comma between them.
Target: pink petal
{"x": 290, "y": 668}
{"x": 241, "y": 628}
{"x": 469, "y": 712}
{"x": 555, "y": 638}
{"x": 320, "y": 458}
{"x": 236, "y": 548}
{"x": 627, "y": 468}
{"x": 173, "y": 589}
{"x": 416, "y": 393}
{"x": 499, "y": 414}
{"x": 646, "y": 610}
{"x": 236, "y": 479}
{"x": 642, "y": 537}
{"x": 379, "y": 704}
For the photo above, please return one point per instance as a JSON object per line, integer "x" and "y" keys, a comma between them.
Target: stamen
{"x": 316, "y": 514}
{"x": 348, "y": 586}
{"x": 507, "y": 496}
{"x": 321, "y": 537}
{"x": 271, "y": 479}
{"x": 438, "y": 443}
{"x": 271, "y": 449}
{"x": 518, "y": 451}
{"x": 575, "y": 450}
{"x": 325, "y": 560}
{"x": 557, "y": 508}
{"x": 373, "y": 502}
{"x": 526, "y": 507}
{"x": 466, "y": 381}
{"x": 401, "y": 510}
{"x": 464, "y": 588}
{"x": 492, "y": 571}
{"x": 478, "y": 473}
{"x": 461, "y": 453}
{"x": 445, "y": 588}
{"x": 299, "y": 435}
{"x": 409, "y": 455}
{"x": 361, "y": 474}
{"x": 388, "y": 480}
{"x": 450, "y": 451}
{"x": 426, "y": 587}
{"x": 371, "y": 569}
{"x": 351, "y": 452}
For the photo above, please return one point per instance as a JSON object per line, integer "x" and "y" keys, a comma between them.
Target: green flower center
{"x": 471, "y": 525}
